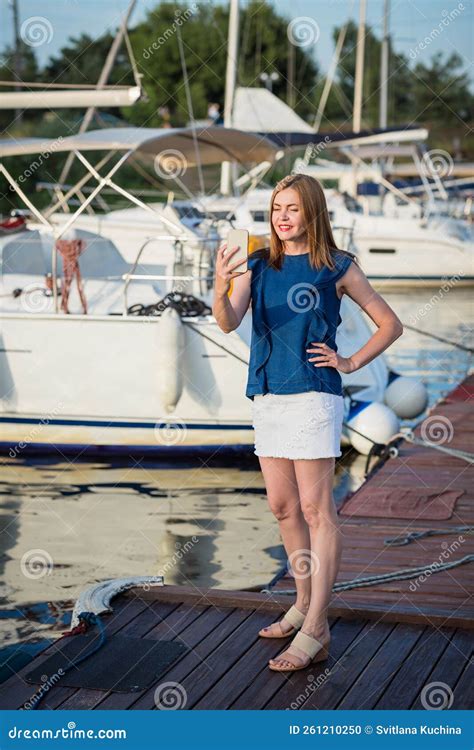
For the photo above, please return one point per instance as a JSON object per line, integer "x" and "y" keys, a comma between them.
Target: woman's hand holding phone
{"x": 225, "y": 269}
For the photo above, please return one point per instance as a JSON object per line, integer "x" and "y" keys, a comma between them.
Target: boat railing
{"x": 133, "y": 276}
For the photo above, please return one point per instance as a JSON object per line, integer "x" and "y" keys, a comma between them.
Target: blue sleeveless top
{"x": 290, "y": 309}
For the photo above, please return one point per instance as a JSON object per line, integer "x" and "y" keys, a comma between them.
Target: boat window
{"x": 24, "y": 254}
{"x": 31, "y": 253}
{"x": 188, "y": 212}
{"x": 259, "y": 215}
{"x": 223, "y": 215}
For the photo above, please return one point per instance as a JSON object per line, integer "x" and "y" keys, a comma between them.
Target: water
{"x": 68, "y": 524}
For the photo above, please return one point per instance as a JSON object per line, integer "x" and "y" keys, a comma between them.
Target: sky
{"x": 447, "y": 24}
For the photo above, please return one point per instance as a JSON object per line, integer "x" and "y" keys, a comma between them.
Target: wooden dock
{"x": 390, "y": 642}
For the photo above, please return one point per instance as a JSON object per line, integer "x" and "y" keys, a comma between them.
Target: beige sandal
{"x": 293, "y": 616}
{"x": 314, "y": 649}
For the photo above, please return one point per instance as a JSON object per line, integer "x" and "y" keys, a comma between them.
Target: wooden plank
{"x": 463, "y": 692}
{"x": 450, "y": 665}
{"x": 372, "y": 682}
{"x": 214, "y": 597}
{"x": 415, "y": 671}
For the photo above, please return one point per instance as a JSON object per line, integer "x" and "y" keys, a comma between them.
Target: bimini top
{"x": 215, "y": 144}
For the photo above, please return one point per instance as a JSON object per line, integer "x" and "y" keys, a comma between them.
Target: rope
{"x": 398, "y": 541}
{"x": 397, "y": 575}
{"x": 410, "y": 437}
{"x": 189, "y": 102}
{"x": 186, "y": 305}
{"x": 88, "y": 619}
{"x": 440, "y": 338}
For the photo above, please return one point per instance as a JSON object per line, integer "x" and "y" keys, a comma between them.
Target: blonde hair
{"x": 315, "y": 218}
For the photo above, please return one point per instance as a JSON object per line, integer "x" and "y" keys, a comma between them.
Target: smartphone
{"x": 240, "y": 238}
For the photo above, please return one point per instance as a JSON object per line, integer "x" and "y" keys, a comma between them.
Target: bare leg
{"x": 315, "y": 482}
{"x": 284, "y": 502}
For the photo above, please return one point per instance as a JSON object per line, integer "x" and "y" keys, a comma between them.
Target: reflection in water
{"x": 67, "y": 525}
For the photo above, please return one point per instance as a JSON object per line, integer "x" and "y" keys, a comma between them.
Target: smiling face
{"x": 287, "y": 215}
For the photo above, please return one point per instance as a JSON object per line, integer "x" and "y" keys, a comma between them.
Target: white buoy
{"x": 407, "y": 397}
{"x": 171, "y": 342}
{"x": 375, "y": 420}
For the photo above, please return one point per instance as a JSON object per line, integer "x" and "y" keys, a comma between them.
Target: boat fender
{"x": 407, "y": 397}
{"x": 374, "y": 420}
{"x": 171, "y": 345}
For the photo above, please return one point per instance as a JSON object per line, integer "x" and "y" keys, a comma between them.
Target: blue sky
{"x": 411, "y": 22}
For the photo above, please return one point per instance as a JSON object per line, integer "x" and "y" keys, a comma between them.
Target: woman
{"x": 294, "y": 382}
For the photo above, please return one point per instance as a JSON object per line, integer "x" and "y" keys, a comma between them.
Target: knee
{"x": 317, "y": 515}
{"x": 283, "y": 508}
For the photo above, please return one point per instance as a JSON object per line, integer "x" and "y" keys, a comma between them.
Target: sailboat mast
{"x": 359, "y": 71}
{"x": 384, "y": 67}
{"x": 230, "y": 79}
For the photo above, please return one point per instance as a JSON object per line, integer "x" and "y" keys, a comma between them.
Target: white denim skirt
{"x": 298, "y": 425}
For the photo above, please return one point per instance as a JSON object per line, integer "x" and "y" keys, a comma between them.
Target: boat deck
{"x": 389, "y": 642}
